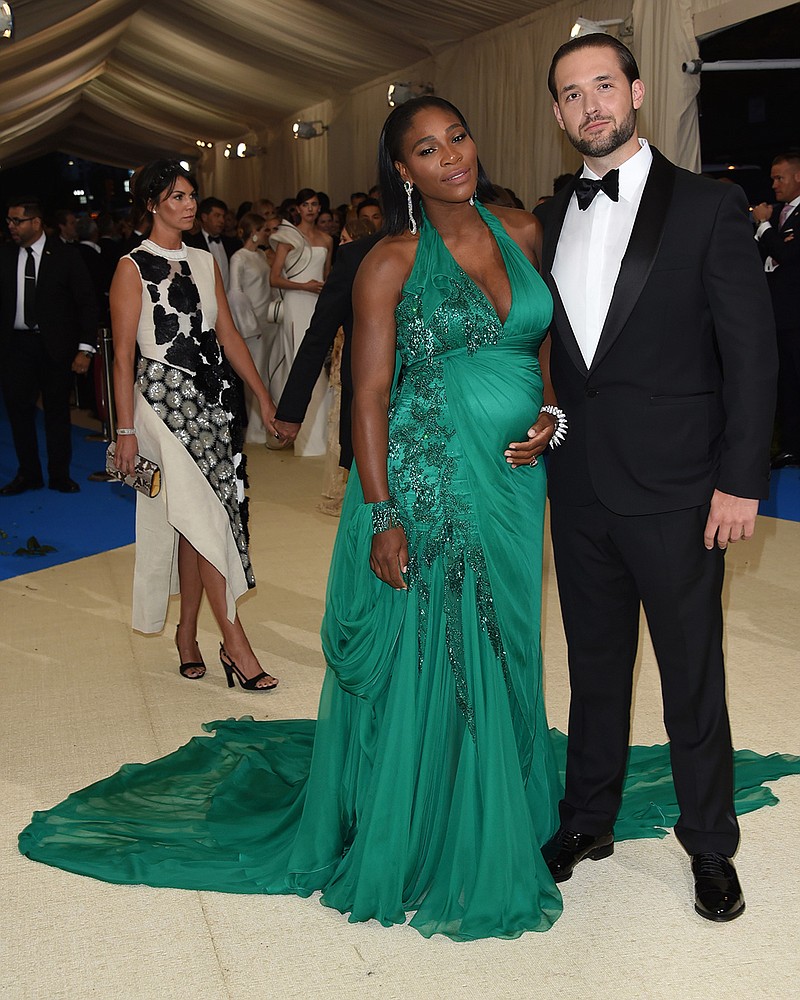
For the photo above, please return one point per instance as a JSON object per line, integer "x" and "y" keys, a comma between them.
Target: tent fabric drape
{"x": 124, "y": 81}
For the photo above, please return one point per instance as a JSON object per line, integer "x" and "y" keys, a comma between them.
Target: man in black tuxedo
{"x": 211, "y": 213}
{"x": 48, "y": 330}
{"x": 663, "y": 358}
{"x": 778, "y": 236}
{"x": 334, "y": 309}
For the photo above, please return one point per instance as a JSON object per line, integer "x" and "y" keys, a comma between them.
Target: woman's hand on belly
{"x": 526, "y": 452}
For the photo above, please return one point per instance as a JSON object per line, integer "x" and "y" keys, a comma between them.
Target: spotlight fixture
{"x": 585, "y": 26}
{"x": 6, "y": 21}
{"x": 308, "y": 130}
{"x": 203, "y": 144}
{"x": 241, "y": 152}
{"x": 399, "y": 93}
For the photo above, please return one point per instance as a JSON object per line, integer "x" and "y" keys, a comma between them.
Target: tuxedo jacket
{"x": 782, "y": 243}
{"x": 66, "y": 306}
{"x": 334, "y": 309}
{"x": 229, "y": 245}
{"x": 680, "y": 395}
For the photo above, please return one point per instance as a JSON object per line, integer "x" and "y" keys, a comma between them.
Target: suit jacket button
{"x": 591, "y": 393}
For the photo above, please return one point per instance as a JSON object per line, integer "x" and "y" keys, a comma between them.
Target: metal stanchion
{"x": 104, "y": 360}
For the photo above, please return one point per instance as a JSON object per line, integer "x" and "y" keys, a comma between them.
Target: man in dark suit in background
{"x": 663, "y": 357}
{"x": 334, "y": 309}
{"x": 211, "y": 214}
{"x": 48, "y": 330}
{"x": 778, "y": 236}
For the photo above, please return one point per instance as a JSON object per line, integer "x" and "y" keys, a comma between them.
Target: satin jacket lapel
{"x": 640, "y": 255}
{"x": 552, "y": 234}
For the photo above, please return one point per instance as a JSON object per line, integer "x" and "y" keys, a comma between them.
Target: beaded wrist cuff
{"x": 384, "y": 515}
{"x": 561, "y": 424}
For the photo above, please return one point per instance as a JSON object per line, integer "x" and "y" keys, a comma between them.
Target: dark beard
{"x": 598, "y": 148}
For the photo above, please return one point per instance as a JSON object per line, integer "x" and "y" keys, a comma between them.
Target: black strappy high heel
{"x": 248, "y": 683}
{"x": 196, "y": 664}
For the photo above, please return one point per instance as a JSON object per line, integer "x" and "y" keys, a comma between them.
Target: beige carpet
{"x": 81, "y": 695}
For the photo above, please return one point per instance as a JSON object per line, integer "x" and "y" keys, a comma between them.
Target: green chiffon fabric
{"x": 430, "y": 779}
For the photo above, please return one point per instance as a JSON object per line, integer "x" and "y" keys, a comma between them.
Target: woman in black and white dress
{"x": 192, "y": 538}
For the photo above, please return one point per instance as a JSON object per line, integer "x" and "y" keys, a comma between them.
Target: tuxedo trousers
{"x": 609, "y": 566}
{"x": 28, "y": 371}
{"x": 789, "y": 389}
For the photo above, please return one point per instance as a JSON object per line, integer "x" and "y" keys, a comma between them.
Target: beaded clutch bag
{"x": 146, "y": 479}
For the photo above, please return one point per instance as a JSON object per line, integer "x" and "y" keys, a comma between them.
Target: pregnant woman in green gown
{"x": 428, "y": 782}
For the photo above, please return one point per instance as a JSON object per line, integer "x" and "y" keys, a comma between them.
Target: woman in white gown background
{"x": 301, "y": 265}
{"x": 249, "y": 297}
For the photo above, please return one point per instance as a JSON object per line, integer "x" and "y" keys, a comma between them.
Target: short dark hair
{"x": 61, "y": 214}
{"x": 155, "y": 179}
{"x": 31, "y": 203}
{"x": 207, "y": 204}
{"x": 369, "y": 203}
{"x": 305, "y": 194}
{"x": 395, "y": 202}
{"x": 793, "y": 158}
{"x": 627, "y": 63}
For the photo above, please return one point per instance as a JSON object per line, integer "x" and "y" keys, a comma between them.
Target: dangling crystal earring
{"x": 412, "y": 222}
{"x": 472, "y": 198}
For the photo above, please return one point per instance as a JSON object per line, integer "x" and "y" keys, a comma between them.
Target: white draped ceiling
{"x": 125, "y": 81}
{"x": 122, "y": 81}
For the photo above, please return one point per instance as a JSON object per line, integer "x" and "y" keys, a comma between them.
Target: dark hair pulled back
{"x": 157, "y": 179}
{"x": 393, "y": 195}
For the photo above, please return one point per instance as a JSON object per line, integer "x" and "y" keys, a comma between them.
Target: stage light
{"x": 399, "y": 93}
{"x": 6, "y": 21}
{"x": 308, "y": 130}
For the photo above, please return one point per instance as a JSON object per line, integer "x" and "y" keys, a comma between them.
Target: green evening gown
{"x": 429, "y": 781}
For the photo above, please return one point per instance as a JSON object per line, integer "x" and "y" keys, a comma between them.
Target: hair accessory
{"x": 412, "y": 222}
{"x": 561, "y": 424}
{"x": 385, "y": 515}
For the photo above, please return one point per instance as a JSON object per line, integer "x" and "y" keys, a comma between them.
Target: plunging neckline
{"x": 485, "y": 216}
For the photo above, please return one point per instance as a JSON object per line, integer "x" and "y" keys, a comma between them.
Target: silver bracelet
{"x": 122, "y": 431}
{"x": 561, "y": 424}
{"x": 384, "y": 516}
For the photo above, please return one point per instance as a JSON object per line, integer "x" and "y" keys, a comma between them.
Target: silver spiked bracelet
{"x": 561, "y": 424}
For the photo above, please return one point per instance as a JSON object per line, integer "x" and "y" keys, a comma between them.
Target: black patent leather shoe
{"x": 65, "y": 485}
{"x": 717, "y": 893}
{"x": 20, "y": 484}
{"x": 563, "y": 851}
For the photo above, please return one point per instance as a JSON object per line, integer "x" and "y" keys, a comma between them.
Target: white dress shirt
{"x": 22, "y": 260}
{"x": 770, "y": 263}
{"x": 591, "y": 247}
{"x": 219, "y": 255}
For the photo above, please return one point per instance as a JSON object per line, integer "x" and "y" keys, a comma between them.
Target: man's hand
{"x": 286, "y": 430}
{"x": 81, "y": 362}
{"x": 729, "y": 520}
{"x": 762, "y": 212}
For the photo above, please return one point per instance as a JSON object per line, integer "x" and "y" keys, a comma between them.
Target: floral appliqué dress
{"x": 184, "y": 421}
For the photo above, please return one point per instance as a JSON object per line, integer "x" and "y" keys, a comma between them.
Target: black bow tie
{"x": 214, "y": 239}
{"x": 586, "y": 188}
